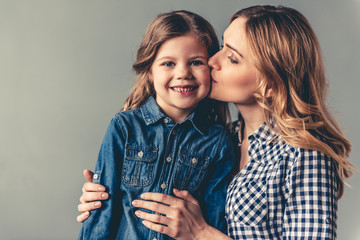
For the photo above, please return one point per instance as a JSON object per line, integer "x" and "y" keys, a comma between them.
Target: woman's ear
{"x": 269, "y": 93}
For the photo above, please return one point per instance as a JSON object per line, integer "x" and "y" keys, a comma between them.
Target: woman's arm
{"x": 92, "y": 193}
{"x": 179, "y": 218}
{"x": 311, "y": 197}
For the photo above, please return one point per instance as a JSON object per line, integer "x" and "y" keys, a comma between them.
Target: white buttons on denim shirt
{"x": 95, "y": 176}
{"x": 168, "y": 159}
{"x": 166, "y": 120}
{"x": 194, "y": 160}
{"x": 163, "y": 185}
{"x": 141, "y": 154}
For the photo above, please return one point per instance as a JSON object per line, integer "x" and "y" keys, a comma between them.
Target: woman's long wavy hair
{"x": 287, "y": 55}
{"x": 164, "y": 27}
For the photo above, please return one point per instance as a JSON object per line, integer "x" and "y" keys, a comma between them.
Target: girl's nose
{"x": 183, "y": 72}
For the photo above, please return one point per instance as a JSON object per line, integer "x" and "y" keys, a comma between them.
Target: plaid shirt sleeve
{"x": 310, "y": 195}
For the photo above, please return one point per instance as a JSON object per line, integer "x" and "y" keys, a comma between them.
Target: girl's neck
{"x": 253, "y": 117}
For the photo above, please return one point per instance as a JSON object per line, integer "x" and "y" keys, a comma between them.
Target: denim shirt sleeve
{"x": 215, "y": 187}
{"x": 104, "y": 222}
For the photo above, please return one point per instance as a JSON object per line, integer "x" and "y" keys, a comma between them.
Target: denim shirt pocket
{"x": 138, "y": 167}
{"x": 190, "y": 170}
{"x": 253, "y": 206}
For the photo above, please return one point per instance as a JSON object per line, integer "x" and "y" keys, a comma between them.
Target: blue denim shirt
{"x": 144, "y": 151}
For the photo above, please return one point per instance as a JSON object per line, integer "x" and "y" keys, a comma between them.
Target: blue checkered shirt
{"x": 284, "y": 192}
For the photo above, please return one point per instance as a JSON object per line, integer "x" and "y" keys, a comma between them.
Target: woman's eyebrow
{"x": 234, "y": 49}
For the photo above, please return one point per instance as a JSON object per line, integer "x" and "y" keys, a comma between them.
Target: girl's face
{"x": 180, "y": 75}
{"x": 234, "y": 76}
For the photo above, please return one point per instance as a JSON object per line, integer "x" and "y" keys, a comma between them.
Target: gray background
{"x": 65, "y": 70}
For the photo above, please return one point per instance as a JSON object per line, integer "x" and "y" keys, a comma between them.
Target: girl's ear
{"x": 150, "y": 76}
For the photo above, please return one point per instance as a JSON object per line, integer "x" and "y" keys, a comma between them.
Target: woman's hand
{"x": 179, "y": 218}
{"x": 89, "y": 199}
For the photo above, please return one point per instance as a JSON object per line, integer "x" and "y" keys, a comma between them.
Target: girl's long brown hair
{"x": 288, "y": 56}
{"x": 164, "y": 27}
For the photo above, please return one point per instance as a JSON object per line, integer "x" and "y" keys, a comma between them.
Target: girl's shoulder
{"x": 128, "y": 116}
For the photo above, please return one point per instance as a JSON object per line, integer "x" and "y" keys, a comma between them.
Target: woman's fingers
{"x": 160, "y": 197}
{"x": 183, "y": 194}
{"x": 85, "y": 207}
{"x": 88, "y": 175}
{"x": 153, "y": 206}
{"x": 82, "y": 217}
{"x": 93, "y": 196}
{"x": 93, "y": 187}
{"x": 159, "y": 228}
{"x": 152, "y": 217}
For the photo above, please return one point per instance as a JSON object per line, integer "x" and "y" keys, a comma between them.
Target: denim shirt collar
{"x": 152, "y": 113}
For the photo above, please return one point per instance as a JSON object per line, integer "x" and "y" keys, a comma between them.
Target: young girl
{"x": 167, "y": 137}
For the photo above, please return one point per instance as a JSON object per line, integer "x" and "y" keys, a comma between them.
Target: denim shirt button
{"x": 154, "y": 238}
{"x": 168, "y": 159}
{"x": 95, "y": 176}
{"x": 163, "y": 185}
{"x": 194, "y": 160}
{"x": 166, "y": 120}
{"x": 141, "y": 154}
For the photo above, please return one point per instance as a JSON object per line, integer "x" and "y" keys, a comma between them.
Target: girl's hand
{"x": 91, "y": 193}
{"x": 181, "y": 217}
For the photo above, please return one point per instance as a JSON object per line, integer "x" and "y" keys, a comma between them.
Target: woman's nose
{"x": 213, "y": 63}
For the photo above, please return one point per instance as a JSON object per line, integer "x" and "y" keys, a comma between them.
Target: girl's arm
{"x": 104, "y": 223}
{"x": 179, "y": 218}
{"x": 90, "y": 199}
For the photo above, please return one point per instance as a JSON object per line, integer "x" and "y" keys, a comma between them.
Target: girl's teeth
{"x": 183, "y": 89}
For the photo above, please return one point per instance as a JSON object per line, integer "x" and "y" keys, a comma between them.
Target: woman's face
{"x": 234, "y": 77}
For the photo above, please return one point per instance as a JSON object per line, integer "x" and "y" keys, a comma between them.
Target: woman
{"x": 292, "y": 154}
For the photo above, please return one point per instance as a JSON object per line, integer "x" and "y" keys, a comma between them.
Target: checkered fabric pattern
{"x": 284, "y": 192}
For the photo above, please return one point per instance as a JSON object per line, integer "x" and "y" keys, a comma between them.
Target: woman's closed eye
{"x": 233, "y": 60}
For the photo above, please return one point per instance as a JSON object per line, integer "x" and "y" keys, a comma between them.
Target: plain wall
{"x": 65, "y": 70}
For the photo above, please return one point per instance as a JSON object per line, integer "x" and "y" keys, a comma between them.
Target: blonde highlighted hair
{"x": 288, "y": 56}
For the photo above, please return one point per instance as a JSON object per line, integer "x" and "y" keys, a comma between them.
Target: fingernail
{"x": 86, "y": 213}
{"x": 103, "y": 195}
{"x": 134, "y": 202}
{"x": 101, "y": 189}
{"x": 97, "y": 204}
{"x": 144, "y": 196}
{"x": 146, "y": 223}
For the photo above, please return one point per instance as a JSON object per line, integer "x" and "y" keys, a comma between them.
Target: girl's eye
{"x": 196, "y": 63}
{"x": 169, "y": 64}
{"x": 232, "y": 60}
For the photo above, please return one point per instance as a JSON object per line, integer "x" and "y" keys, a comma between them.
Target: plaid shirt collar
{"x": 264, "y": 134}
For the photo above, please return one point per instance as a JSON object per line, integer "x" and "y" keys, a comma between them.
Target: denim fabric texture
{"x": 144, "y": 151}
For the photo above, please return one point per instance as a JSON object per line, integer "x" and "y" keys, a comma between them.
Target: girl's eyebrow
{"x": 173, "y": 58}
